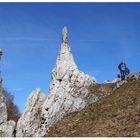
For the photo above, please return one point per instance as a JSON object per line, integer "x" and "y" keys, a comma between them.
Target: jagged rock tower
{"x": 67, "y": 88}
{"x": 68, "y": 93}
{"x": 6, "y": 127}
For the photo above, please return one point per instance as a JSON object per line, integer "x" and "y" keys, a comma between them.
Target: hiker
{"x": 122, "y": 67}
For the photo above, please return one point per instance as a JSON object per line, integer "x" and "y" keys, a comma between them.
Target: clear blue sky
{"x": 100, "y": 36}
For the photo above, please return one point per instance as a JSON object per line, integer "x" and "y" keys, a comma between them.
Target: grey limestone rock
{"x": 134, "y": 76}
{"x": 3, "y": 113}
{"x": 7, "y": 129}
{"x": 68, "y": 93}
{"x": 68, "y": 88}
{"x": 30, "y": 120}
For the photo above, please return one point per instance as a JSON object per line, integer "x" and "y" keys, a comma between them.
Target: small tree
{"x": 12, "y": 109}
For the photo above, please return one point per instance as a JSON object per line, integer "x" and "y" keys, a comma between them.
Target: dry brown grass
{"x": 115, "y": 115}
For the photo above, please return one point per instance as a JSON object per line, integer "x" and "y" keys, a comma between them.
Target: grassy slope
{"x": 115, "y": 115}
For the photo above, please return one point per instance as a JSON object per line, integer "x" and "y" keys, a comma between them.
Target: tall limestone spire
{"x": 65, "y": 61}
{"x": 68, "y": 93}
{"x": 68, "y": 88}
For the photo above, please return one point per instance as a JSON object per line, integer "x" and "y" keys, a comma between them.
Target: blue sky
{"x": 100, "y": 36}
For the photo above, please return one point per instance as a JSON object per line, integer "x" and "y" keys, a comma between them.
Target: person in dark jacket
{"x": 122, "y": 67}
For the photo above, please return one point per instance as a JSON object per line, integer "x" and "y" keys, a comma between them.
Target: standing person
{"x": 122, "y": 68}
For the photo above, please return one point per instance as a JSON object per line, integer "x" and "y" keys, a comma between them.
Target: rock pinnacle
{"x": 65, "y": 35}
